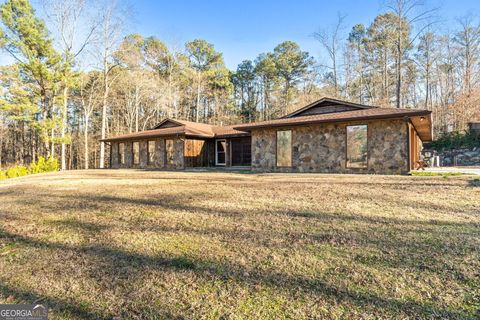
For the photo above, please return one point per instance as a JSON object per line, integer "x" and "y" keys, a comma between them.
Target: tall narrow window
{"x": 136, "y": 152}
{"x": 151, "y": 152}
{"x": 121, "y": 153}
{"x": 169, "y": 152}
{"x": 357, "y": 146}
{"x": 221, "y": 146}
{"x": 284, "y": 148}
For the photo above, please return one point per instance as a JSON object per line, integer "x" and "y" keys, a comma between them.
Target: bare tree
{"x": 330, "y": 39}
{"x": 74, "y": 32}
{"x": 406, "y": 18}
{"x": 88, "y": 89}
{"x": 467, "y": 41}
{"x": 109, "y": 37}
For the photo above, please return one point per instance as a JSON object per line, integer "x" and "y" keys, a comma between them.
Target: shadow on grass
{"x": 391, "y": 236}
{"x": 62, "y": 306}
{"x": 474, "y": 182}
{"x": 117, "y": 263}
{"x": 87, "y": 228}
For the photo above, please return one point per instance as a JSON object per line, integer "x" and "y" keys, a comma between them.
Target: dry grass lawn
{"x": 132, "y": 244}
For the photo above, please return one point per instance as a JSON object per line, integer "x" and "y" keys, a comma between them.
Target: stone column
{"x": 160, "y": 153}
{"x": 143, "y": 153}
{"x": 115, "y": 160}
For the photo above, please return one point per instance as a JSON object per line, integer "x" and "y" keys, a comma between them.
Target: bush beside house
{"x": 457, "y": 148}
{"x": 41, "y": 165}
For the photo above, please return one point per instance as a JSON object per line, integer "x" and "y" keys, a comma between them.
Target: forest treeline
{"x": 79, "y": 75}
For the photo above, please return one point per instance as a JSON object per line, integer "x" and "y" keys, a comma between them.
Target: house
{"x": 328, "y": 135}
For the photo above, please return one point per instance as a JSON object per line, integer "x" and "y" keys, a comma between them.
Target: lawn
{"x": 132, "y": 244}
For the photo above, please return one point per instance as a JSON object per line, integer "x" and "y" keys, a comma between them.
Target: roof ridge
{"x": 337, "y": 116}
{"x": 326, "y": 98}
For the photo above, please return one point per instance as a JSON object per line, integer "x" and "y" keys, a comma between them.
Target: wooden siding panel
{"x": 196, "y": 153}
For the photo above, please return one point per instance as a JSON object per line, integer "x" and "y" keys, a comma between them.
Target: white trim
{"x": 216, "y": 153}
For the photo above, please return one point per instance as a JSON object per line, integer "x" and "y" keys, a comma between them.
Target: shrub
{"x": 51, "y": 165}
{"x": 43, "y": 165}
{"x": 17, "y": 171}
{"x": 36, "y": 167}
{"x": 454, "y": 140}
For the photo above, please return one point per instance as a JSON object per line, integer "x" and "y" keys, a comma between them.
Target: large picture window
{"x": 169, "y": 152}
{"x": 136, "y": 152}
{"x": 284, "y": 148}
{"x": 357, "y": 146}
{"x": 151, "y": 152}
{"x": 121, "y": 153}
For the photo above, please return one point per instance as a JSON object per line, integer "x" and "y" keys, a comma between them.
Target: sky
{"x": 243, "y": 29}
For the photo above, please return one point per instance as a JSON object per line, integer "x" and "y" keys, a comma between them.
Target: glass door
{"x": 220, "y": 150}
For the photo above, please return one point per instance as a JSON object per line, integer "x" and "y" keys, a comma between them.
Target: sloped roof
{"x": 421, "y": 119}
{"x": 186, "y": 128}
{"x": 226, "y": 131}
{"x": 328, "y": 101}
{"x": 361, "y": 114}
{"x": 199, "y": 128}
{"x": 173, "y": 131}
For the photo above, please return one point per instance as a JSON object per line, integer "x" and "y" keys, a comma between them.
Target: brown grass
{"x": 144, "y": 244}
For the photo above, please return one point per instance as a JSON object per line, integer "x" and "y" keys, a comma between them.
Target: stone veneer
{"x": 322, "y": 148}
{"x": 159, "y": 162}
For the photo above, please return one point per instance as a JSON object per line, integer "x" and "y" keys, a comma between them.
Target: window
{"x": 284, "y": 148}
{"x": 136, "y": 152}
{"x": 121, "y": 153}
{"x": 151, "y": 152}
{"x": 221, "y": 146}
{"x": 357, "y": 146}
{"x": 169, "y": 152}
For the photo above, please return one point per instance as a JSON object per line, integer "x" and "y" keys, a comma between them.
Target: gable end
{"x": 167, "y": 123}
{"x": 327, "y": 105}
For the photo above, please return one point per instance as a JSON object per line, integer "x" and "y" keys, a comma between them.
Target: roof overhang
{"x": 142, "y": 137}
{"x": 421, "y": 120}
{"x": 423, "y": 126}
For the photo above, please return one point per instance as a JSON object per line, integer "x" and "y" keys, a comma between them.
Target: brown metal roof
{"x": 196, "y": 127}
{"x": 331, "y": 100}
{"x": 227, "y": 131}
{"x": 173, "y": 131}
{"x": 361, "y": 114}
{"x": 186, "y": 128}
{"x": 421, "y": 119}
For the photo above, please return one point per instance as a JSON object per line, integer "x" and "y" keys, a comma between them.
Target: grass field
{"x": 142, "y": 244}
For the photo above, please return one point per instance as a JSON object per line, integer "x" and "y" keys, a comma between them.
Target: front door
{"x": 220, "y": 150}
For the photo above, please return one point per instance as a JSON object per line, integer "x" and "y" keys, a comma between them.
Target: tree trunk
{"x": 399, "y": 61}
{"x": 52, "y": 136}
{"x": 85, "y": 139}
{"x": 104, "y": 115}
{"x": 137, "y": 107}
{"x": 334, "y": 61}
{"x": 64, "y": 127}
{"x": 197, "y": 108}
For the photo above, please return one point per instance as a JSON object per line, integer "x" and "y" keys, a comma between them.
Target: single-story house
{"x": 328, "y": 135}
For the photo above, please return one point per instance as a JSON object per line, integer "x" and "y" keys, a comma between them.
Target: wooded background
{"x": 79, "y": 75}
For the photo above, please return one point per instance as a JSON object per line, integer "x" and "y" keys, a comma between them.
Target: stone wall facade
{"x": 322, "y": 148}
{"x": 159, "y": 159}
{"x": 460, "y": 157}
